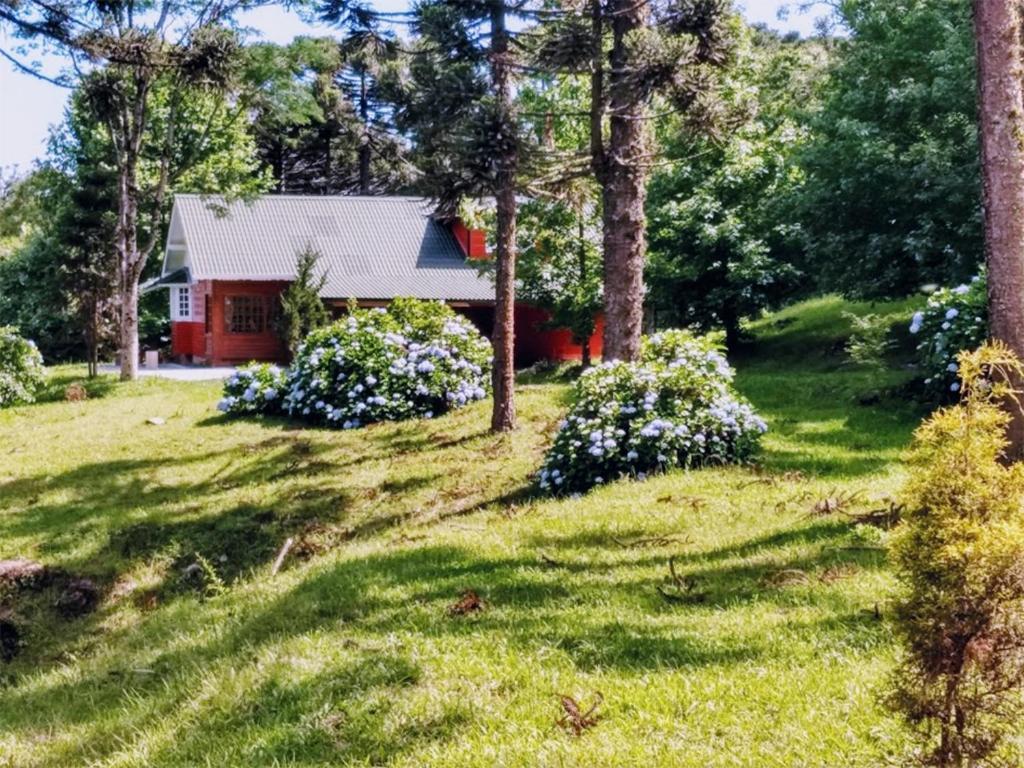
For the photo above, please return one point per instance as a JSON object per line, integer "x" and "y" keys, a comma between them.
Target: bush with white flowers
{"x": 21, "y": 368}
{"x": 416, "y": 358}
{"x": 674, "y": 408}
{"x": 954, "y": 319}
{"x": 254, "y": 388}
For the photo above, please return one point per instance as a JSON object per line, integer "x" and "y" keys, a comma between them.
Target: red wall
{"x": 188, "y": 338}
{"x": 472, "y": 241}
{"x": 225, "y": 348}
{"x": 533, "y": 342}
{"x": 218, "y": 347}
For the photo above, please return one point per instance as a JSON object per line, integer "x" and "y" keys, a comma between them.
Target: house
{"x": 226, "y": 263}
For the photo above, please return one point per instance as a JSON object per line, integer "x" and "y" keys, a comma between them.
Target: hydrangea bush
{"x": 675, "y": 408}
{"x": 21, "y": 368}
{"x": 254, "y": 388}
{"x": 955, "y": 319}
{"x": 414, "y": 359}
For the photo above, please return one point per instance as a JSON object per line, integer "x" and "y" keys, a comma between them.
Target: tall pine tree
{"x": 460, "y": 111}
{"x": 636, "y": 54}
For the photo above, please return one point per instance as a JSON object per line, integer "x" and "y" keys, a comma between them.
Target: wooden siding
{"x": 226, "y": 348}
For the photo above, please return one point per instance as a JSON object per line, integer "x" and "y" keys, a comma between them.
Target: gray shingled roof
{"x": 371, "y": 247}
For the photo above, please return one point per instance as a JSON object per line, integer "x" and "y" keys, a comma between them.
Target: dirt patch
{"x": 21, "y": 573}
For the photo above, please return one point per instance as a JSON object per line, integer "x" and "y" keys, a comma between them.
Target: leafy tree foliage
{"x": 634, "y": 53}
{"x": 60, "y": 283}
{"x": 724, "y": 243}
{"x": 893, "y": 197}
{"x": 139, "y": 73}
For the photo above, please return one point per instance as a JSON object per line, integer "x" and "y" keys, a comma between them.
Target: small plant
{"x": 302, "y": 309}
{"x": 869, "y": 341}
{"x": 255, "y": 388}
{"x": 960, "y": 557}
{"x": 676, "y": 408}
{"x": 955, "y": 319}
{"x": 21, "y": 368}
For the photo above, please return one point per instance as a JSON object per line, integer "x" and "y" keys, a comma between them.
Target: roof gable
{"x": 371, "y": 247}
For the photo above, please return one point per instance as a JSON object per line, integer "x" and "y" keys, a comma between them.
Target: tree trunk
{"x": 1000, "y": 64}
{"x": 623, "y": 178}
{"x": 503, "y": 415}
{"x": 585, "y": 360}
{"x": 364, "y": 146}
{"x": 128, "y": 271}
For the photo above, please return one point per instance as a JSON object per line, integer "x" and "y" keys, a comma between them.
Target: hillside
{"x": 768, "y": 647}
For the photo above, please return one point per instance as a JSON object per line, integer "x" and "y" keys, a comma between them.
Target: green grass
{"x": 349, "y": 655}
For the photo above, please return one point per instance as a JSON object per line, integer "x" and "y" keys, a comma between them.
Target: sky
{"x": 29, "y": 106}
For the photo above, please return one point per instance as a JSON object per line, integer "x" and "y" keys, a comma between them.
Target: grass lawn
{"x": 774, "y": 653}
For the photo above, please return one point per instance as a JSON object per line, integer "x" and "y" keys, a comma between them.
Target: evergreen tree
{"x": 302, "y": 309}
{"x": 321, "y": 121}
{"x": 460, "y": 112}
{"x": 635, "y": 53}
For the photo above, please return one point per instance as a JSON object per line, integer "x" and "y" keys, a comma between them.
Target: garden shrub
{"x": 21, "y": 368}
{"x": 674, "y": 408}
{"x": 416, "y": 358}
{"x": 960, "y": 557}
{"x": 254, "y": 388}
{"x": 955, "y": 319}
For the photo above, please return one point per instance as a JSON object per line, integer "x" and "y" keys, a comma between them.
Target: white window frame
{"x": 181, "y": 298}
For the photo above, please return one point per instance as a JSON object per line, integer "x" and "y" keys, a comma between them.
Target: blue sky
{"x": 28, "y": 106}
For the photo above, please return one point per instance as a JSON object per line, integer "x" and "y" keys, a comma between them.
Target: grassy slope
{"x": 349, "y": 657}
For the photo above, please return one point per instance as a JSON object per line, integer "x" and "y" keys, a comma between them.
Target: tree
{"x": 60, "y": 282}
{"x": 147, "y": 69}
{"x": 724, "y": 244}
{"x": 302, "y": 309}
{"x": 892, "y": 199}
{"x": 459, "y": 110}
{"x": 634, "y": 53}
{"x": 320, "y": 118}
{"x": 1000, "y": 51}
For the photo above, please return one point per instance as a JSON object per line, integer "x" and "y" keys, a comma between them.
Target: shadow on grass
{"x": 816, "y": 425}
{"x": 56, "y": 387}
{"x": 343, "y": 713}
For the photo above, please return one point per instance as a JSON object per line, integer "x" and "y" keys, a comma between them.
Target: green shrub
{"x": 675, "y": 408}
{"x": 960, "y": 556}
{"x": 869, "y": 341}
{"x": 21, "y": 368}
{"x": 954, "y": 319}
{"x": 417, "y": 358}
{"x": 254, "y": 388}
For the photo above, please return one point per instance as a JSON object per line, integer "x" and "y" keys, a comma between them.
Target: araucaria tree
{"x": 143, "y": 68}
{"x": 637, "y": 54}
{"x": 461, "y": 113}
{"x": 1000, "y": 51}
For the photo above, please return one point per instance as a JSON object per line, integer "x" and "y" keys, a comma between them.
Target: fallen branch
{"x": 282, "y": 555}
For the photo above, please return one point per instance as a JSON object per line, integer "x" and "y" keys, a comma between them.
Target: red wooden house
{"x": 227, "y": 262}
